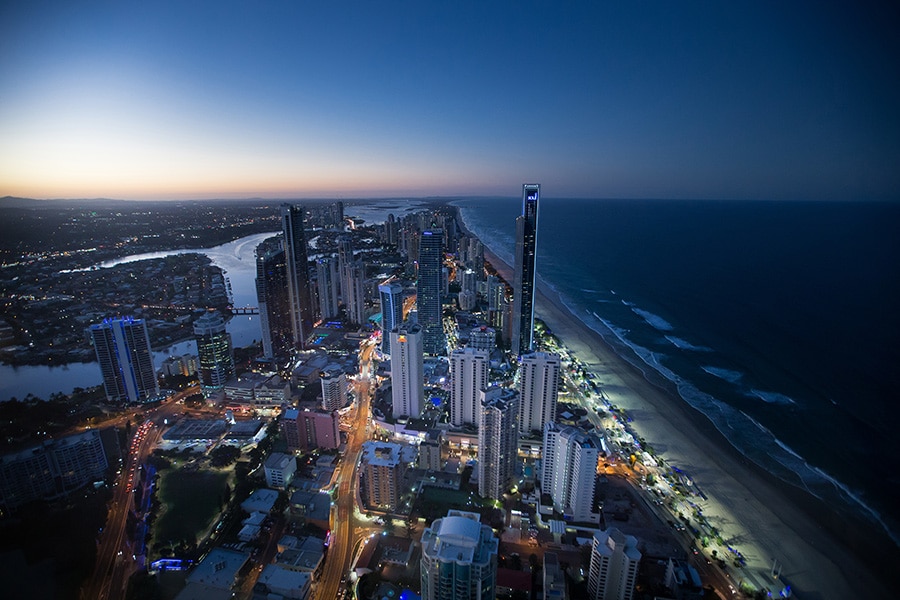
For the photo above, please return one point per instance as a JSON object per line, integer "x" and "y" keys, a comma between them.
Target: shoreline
{"x": 765, "y": 516}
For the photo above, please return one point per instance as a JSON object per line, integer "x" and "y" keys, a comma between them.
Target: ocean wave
{"x": 750, "y": 437}
{"x": 726, "y": 374}
{"x": 686, "y": 345}
{"x": 771, "y": 397}
{"x": 654, "y": 321}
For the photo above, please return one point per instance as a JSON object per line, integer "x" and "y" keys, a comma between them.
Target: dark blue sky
{"x": 620, "y": 99}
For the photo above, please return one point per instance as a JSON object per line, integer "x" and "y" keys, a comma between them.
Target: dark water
{"x": 778, "y": 321}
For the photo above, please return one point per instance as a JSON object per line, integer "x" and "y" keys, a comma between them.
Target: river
{"x": 235, "y": 258}
{"x": 239, "y": 263}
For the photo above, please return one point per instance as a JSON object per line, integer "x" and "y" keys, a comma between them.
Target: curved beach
{"x": 764, "y": 519}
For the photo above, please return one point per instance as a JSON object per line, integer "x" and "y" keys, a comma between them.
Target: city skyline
{"x": 174, "y": 101}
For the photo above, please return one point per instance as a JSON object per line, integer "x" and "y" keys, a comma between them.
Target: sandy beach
{"x": 751, "y": 510}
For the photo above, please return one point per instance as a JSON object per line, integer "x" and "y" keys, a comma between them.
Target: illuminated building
{"x": 272, "y": 298}
{"x": 304, "y": 429}
{"x": 328, "y": 286}
{"x": 459, "y": 559}
{"x": 354, "y": 292}
{"x": 299, "y": 293}
{"x": 334, "y": 390}
{"x": 51, "y": 470}
{"x": 569, "y": 471}
{"x": 428, "y": 290}
{"x": 215, "y": 353}
{"x": 523, "y": 275}
{"x": 381, "y": 474}
{"x": 538, "y": 389}
{"x": 407, "y": 371}
{"x": 614, "y": 565}
{"x": 483, "y": 338}
{"x": 498, "y": 440}
{"x": 469, "y": 369}
{"x": 126, "y": 361}
{"x": 391, "y": 312}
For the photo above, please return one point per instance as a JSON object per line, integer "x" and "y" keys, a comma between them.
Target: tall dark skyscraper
{"x": 523, "y": 282}
{"x": 428, "y": 291}
{"x": 298, "y": 273}
{"x": 272, "y": 296}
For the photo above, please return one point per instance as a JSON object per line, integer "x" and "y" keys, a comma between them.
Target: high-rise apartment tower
{"x": 538, "y": 389}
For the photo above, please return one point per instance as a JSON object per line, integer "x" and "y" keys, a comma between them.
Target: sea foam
{"x": 686, "y": 345}
{"x": 654, "y": 321}
{"x": 726, "y": 374}
{"x": 771, "y": 397}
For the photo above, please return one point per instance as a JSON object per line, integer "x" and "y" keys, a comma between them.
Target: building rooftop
{"x": 261, "y": 500}
{"x": 279, "y": 460}
{"x": 219, "y": 568}
{"x": 460, "y": 537}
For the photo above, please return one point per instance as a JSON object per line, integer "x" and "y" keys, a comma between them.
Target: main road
{"x": 115, "y": 562}
{"x": 343, "y": 526}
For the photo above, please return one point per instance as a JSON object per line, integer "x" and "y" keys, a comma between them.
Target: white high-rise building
{"x": 126, "y": 361}
{"x": 498, "y": 441}
{"x": 469, "y": 370}
{"x": 407, "y": 370}
{"x": 614, "y": 565}
{"x": 334, "y": 390}
{"x": 391, "y": 295}
{"x": 538, "y": 390}
{"x": 459, "y": 559}
{"x": 569, "y": 470}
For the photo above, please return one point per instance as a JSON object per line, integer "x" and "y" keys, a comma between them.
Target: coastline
{"x": 767, "y": 518}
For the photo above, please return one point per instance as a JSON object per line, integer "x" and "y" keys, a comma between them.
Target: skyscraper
{"x": 614, "y": 565}
{"x": 523, "y": 276}
{"x": 538, "y": 389}
{"x": 298, "y": 273}
{"x": 407, "y": 370}
{"x": 469, "y": 369}
{"x": 272, "y": 297}
{"x": 355, "y": 292}
{"x": 215, "y": 353}
{"x": 391, "y": 294}
{"x": 498, "y": 441}
{"x": 459, "y": 559}
{"x": 126, "y": 362}
{"x": 345, "y": 259}
{"x": 428, "y": 290}
{"x": 329, "y": 287}
{"x": 569, "y": 470}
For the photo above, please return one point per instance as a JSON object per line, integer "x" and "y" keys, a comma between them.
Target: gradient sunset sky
{"x": 149, "y": 100}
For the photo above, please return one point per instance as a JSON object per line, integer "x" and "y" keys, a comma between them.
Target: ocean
{"x": 776, "y": 320}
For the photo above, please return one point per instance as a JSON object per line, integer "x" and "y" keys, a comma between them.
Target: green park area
{"x": 433, "y": 503}
{"x": 191, "y": 499}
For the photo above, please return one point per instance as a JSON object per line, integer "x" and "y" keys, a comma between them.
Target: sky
{"x": 188, "y": 99}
